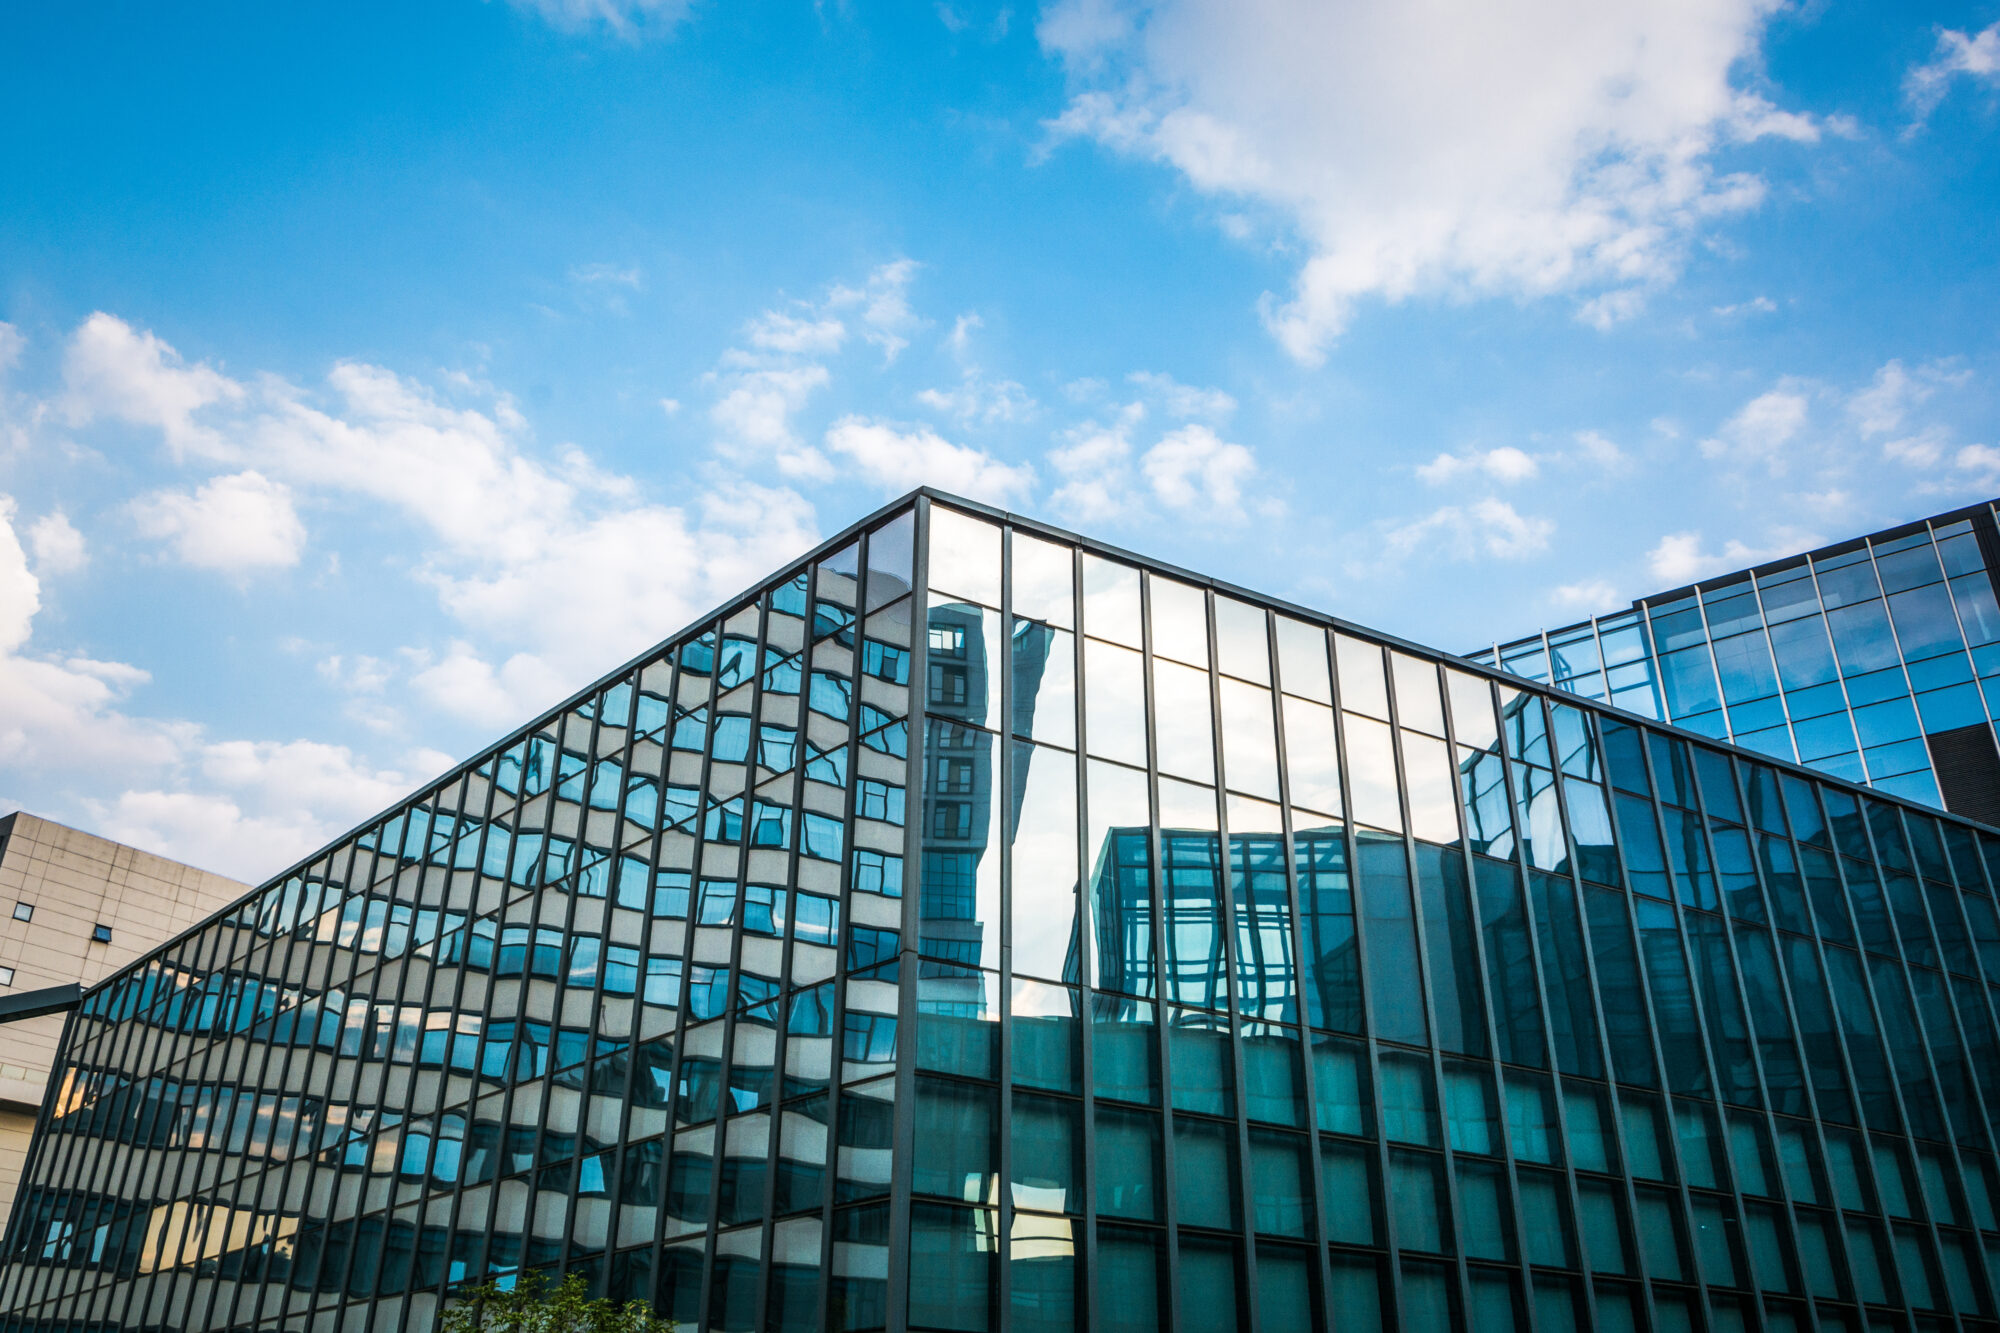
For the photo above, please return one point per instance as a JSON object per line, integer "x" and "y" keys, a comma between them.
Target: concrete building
{"x": 75, "y": 908}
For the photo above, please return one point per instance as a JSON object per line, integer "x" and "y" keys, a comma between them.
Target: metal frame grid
{"x": 1752, "y": 1240}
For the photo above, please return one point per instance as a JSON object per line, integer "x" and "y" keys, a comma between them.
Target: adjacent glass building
{"x": 1876, "y": 659}
{"x": 978, "y": 929}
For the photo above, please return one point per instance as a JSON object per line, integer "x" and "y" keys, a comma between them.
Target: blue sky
{"x": 372, "y": 377}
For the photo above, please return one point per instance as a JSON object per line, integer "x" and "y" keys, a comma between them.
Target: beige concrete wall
{"x": 75, "y": 882}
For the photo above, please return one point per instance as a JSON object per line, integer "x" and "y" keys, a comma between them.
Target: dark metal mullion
{"x": 615, "y": 861}
{"x": 1670, "y": 1148}
{"x": 1700, "y": 1017}
{"x": 1000, "y": 822}
{"x": 916, "y": 774}
{"x": 1951, "y": 1141}
{"x": 671, "y": 1137}
{"x": 1391, "y": 1252}
{"x": 1229, "y": 912}
{"x": 210, "y": 1053}
{"x": 615, "y": 1152}
{"x": 1735, "y": 982}
{"x": 1413, "y": 872}
{"x": 1881, "y": 871}
{"x": 1861, "y": 1129}
{"x": 541, "y": 892}
{"x": 38, "y": 1143}
{"x": 464, "y": 968}
{"x": 377, "y": 970}
{"x": 163, "y": 1181}
{"x": 1782, "y": 1193}
{"x": 74, "y": 1155}
{"x": 1086, "y": 991}
{"x": 1524, "y": 872}
{"x": 1163, "y": 979}
{"x": 390, "y": 1207}
{"x": 780, "y": 1046}
{"x": 1316, "y": 1236}
{"x": 725, "y": 1116}
{"x": 1509, "y": 1167}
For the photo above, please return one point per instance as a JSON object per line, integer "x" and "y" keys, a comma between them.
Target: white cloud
{"x": 1193, "y": 470}
{"x": 466, "y": 685}
{"x": 59, "y": 548}
{"x": 233, "y": 524}
{"x": 1598, "y": 450}
{"x": 1506, "y": 464}
{"x": 779, "y": 331}
{"x": 1465, "y": 532}
{"x": 900, "y": 459}
{"x": 884, "y": 305}
{"x": 755, "y": 414}
{"x": 249, "y": 808}
{"x": 113, "y": 371}
{"x": 1587, "y": 597}
{"x": 1522, "y": 148}
{"x": 1679, "y": 558}
{"x": 1095, "y": 468}
{"x": 627, "y": 19}
{"x": 1880, "y": 407}
{"x": 1184, "y": 401}
{"x": 1977, "y": 57}
{"x": 12, "y": 343}
{"x": 606, "y": 275}
{"x": 549, "y": 561}
{"x": 980, "y": 401}
{"x": 1756, "y": 305}
{"x": 1761, "y": 429}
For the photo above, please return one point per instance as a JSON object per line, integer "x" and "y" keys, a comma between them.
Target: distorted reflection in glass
{"x": 1249, "y": 744}
{"x": 1185, "y": 737}
{"x": 1472, "y": 719}
{"x": 1242, "y": 648}
{"x": 1046, "y": 940}
{"x": 1186, "y": 806}
{"x": 1417, "y": 703}
{"x": 1371, "y": 776}
{"x": 959, "y": 917}
{"x": 1111, "y": 601}
{"x": 1044, "y": 581}
{"x": 1114, "y": 702}
{"x": 1180, "y": 621}
{"x": 1362, "y": 686}
{"x": 1119, "y": 853}
{"x": 964, "y": 674}
{"x": 1432, "y": 789}
{"x": 964, "y": 556}
{"x": 1044, "y": 685}
{"x": 1312, "y": 758}
{"x": 1302, "y": 660}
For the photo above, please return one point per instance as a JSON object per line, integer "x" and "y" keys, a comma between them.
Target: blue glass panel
{"x": 1395, "y": 986}
{"x": 1513, "y": 989}
{"x": 1333, "y": 989}
{"x": 1621, "y": 992}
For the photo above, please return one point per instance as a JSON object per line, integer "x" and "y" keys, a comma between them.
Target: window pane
{"x": 1046, "y": 939}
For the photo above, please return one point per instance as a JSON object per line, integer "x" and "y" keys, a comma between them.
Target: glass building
{"x": 1876, "y": 659}
{"x": 979, "y": 929}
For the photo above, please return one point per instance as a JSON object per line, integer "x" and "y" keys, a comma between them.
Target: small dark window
{"x": 101, "y": 933}
{"x": 24, "y": 911}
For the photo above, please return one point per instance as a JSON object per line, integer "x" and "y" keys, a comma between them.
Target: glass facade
{"x": 1877, "y": 660}
{"x": 980, "y": 930}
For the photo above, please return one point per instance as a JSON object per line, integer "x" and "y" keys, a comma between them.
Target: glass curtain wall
{"x": 1846, "y": 660}
{"x": 1173, "y": 959}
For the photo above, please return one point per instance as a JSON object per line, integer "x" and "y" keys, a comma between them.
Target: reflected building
{"x": 1241, "y": 970}
{"x": 1876, "y": 659}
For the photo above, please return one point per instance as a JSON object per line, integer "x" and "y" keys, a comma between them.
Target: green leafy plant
{"x": 532, "y": 1306}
